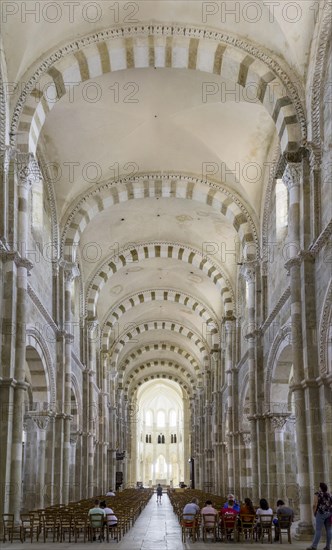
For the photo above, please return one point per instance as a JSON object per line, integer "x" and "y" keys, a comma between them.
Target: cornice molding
{"x": 277, "y": 308}
{"x": 41, "y": 308}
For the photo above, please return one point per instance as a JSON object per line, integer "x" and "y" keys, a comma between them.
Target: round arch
{"x": 155, "y": 347}
{"x": 182, "y": 186}
{"x": 156, "y": 45}
{"x": 153, "y": 250}
{"x": 36, "y": 342}
{"x": 149, "y": 326}
{"x": 159, "y": 295}
{"x": 169, "y": 370}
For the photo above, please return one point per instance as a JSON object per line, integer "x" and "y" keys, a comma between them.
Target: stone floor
{"x": 157, "y": 528}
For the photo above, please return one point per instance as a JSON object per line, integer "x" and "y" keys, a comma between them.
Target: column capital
{"x": 292, "y": 174}
{"x": 249, "y": 272}
{"x": 246, "y": 438}
{"x": 278, "y": 420}
{"x": 40, "y": 419}
{"x": 28, "y": 170}
{"x": 71, "y": 270}
{"x": 315, "y": 155}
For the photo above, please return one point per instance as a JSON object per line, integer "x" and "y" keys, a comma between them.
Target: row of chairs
{"x": 71, "y": 522}
{"x": 249, "y": 528}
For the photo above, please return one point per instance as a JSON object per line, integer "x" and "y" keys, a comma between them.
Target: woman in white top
{"x": 264, "y": 509}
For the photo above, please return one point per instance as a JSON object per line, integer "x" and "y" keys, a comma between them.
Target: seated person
{"x": 235, "y": 506}
{"x": 190, "y": 509}
{"x": 283, "y": 510}
{"x": 264, "y": 509}
{"x": 247, "y": 510}
{"x": 113, "y": 521}
{"x": 208, "y": 509}
{"x": 110, "y": 493}
{"x": 229, "y": 512}
{"x": 97, "y": 521}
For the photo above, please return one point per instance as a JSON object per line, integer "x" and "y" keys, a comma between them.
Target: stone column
{"x": 41, "y": 421}
{"x": 249, "y": 273}
{"x": 70, "y": 272}
{"x": 292, "y": 178}
{"x": 229, "y": 334}
{"x": 26, "y": 172}
{"x": 278, "y": 422}
{"x": 246, "y": 480}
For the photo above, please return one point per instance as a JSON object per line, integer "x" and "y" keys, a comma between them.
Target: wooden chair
{"x": 264, "y": 527}
{"x": 113, "y": 530}
{"x": 8, "y": 527}
{"x": 228, "y": 527}
{"x": 189, "y": 526}
{"x": 80, "y": 525}
{"x": 28, "y": 527}
{"x": 210, "y": 525}
{"x": 96, "y": 527}
{"x": 50, "y": 523}
{"x": 246, "y": 528}
{"x": 284, "y": 524}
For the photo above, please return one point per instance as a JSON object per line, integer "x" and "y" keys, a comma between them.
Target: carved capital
{"x": 71, "y": 270}
{"x": 278, "y": 421}
{"x": 249, "y": 273}
{"x": 292, "y": 175}
{"x": 315, "y": 155}
{"x": 41, "y": 420}
{"x": 28, "y": 171}
{"x": 246, "y": 438}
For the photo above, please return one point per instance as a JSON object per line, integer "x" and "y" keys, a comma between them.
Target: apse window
{"x": 161, "y": 419}
{"x": 281, "y": 208}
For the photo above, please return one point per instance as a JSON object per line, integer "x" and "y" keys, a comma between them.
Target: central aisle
{"x": 157, "y": 528}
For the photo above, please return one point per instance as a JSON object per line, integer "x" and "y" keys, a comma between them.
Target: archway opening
{"x": 162, "y": 446}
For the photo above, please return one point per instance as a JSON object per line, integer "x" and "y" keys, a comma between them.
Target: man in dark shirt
{"x": 282, "y": 510}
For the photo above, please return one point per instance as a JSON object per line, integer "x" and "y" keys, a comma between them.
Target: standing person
{"x": 322, "y": 508}
{"x": 110, "y": 493}
{"x": 159, "y": 493}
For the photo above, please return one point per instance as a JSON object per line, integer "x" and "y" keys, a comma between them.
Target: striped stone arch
{"x": 166, "y": 369}
{"x": 108, "y": 193}
{"x": 34, "y": 339}
{"x": 172, "y": 251}
{"x": 280, "y": 342}
{"x": 155, "y": 347}
{"x": 162, "y": 46}
{"x": 149, "y": 326}
{"x": 159, "y": 295}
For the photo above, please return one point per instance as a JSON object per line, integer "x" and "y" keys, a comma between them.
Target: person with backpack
{"x": 322, "y": 508}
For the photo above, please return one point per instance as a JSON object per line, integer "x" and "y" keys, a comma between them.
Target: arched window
{"x": 148, "y": 418}
{"x": 281, "y": 208}
{"x": 172, "y": 418}
{"x": 161, "y": 419}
